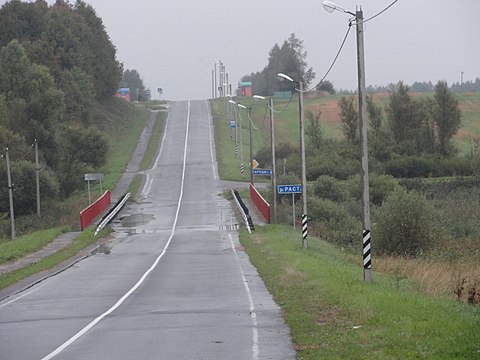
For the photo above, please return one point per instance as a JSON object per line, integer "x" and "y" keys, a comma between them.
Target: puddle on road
{"x": 135, "y": 220}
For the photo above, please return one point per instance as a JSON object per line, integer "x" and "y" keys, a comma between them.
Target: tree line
{"x": 289, "y": 58}
{"x": 56, "y": 64}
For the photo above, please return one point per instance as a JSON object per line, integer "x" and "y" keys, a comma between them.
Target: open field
{"x": 287, "y": 128}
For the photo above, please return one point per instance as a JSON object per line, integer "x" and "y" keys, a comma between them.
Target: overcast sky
{"x": 173, "y": 44}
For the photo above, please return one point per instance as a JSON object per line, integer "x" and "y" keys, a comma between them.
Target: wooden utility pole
{"x": 10, "y": 194}
{"x": 37, "y": 176}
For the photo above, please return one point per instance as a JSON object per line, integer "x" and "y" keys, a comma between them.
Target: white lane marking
{"x": 149, "y": 182}
{"x": 253, "y": 314}
{"x": 210, "y": 133}
{"x": 165, "y": 135}
{"x": 21, "y": 296}
{"x": 144, "y": 276}
{"x": 148, "y": 185}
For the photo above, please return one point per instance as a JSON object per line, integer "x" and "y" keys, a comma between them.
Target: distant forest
{"x": 425, "y": 86}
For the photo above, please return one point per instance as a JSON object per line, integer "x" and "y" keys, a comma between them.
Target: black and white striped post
{"x": 304, "y": 228}
{"x": 367, "y": 254}
{"x": 242, "y": 169}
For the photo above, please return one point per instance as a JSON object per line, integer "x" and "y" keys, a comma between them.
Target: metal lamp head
{"x": 282, "y": 76}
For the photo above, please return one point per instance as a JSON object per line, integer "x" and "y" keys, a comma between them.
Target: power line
{"x": 345, "y": 39}
{"x": 336, "y": 56}
{"x": 381, "y": 12}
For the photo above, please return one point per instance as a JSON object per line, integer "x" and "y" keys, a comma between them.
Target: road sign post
{"x": 290, "y": 189}
{"x": 93, "y": 177}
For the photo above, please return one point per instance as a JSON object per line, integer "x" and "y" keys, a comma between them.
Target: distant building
{"x": 245, "y": 88}
{"x": 123, "y": 93}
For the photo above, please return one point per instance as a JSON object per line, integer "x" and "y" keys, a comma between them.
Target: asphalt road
{"x": 173, "y": 283}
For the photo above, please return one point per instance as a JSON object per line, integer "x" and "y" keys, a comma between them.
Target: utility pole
{"x": 274, "y": 171}
{"x": 250, "y": 145}
{"x": 10, "y": 194}
{"x": 213, "y": 84}
{"x": 240, "y": 140}
{"x": 304, "y": 169}
{"x": 37, "y": 176}
{"x": 362, "y": 122}
{"x": 215, "y": 80}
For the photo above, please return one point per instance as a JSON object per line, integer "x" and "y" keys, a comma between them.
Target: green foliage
{"x": 409, "y": 122}
{"x": 82, "y": 149}
{"x": 132, "y": 80}
{"x": 327, "y": 86}
{"x": 290, "y": 59}
{"x": 327, "y": 187}
{"x": 446, "y": 115}
{"x": 23, "y": 175}
{"x": 405, "y": 225}
{"x": 381, "y": 187}
{"x": 349, "y": 117}
{"x": 314, "y": 130}
{"x": 56, "y": 62}
{"x": 334, "y": 222}
{"x": 335, "y": 158}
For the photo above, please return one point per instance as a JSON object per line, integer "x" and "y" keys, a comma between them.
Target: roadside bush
{"x": 410, "y": 166}
{"x": 327, "y": 187}
{"x": 334, "y": 222}
{"x": 404, "y": 225}
{"x": 381, "y": 186}
{"x": 24, "y": 195}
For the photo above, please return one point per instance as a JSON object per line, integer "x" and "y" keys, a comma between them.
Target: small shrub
{"x": 404, "y": 225}
{"x": 334, "y": 222}
{"x": 381, "y": 186}
{"x": 327, "y": 187}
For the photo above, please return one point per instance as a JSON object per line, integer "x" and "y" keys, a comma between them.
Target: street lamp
{"x": 240, "y": 140}
{"x": 272, "y": 144}
{"x": 302, "y": 151}
{"x": 362, "y": 116}
{"x": 220, "y": 64}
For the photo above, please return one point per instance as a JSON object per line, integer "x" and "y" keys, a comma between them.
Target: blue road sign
{"x": 257, "y": 171}
{"x": 289, "y": 189}
{"x": 232, "y": 123}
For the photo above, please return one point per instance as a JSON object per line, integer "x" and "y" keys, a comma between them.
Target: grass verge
{"x": 154, "y": 142}
{"x": 26, "y": 244}
{"x": 333, "y": 314}
{"x": 84, "y": 240}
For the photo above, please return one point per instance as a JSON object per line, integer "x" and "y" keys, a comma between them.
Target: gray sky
{"x": 174, "y": 44}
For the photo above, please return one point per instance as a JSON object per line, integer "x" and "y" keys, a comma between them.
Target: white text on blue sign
{"x": 262, "y": 171}
{"x": 289, "y": 189}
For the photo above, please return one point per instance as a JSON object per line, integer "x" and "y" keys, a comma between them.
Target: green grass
{"x": 333, "y": 314}
{"x": 155, "y": 138}
{"x": 11, "y": 250}
{"x": 123, "y": 125}
{"x": 84, "y": 240}
{"x": 135, "y": 184}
